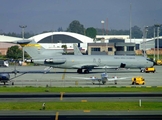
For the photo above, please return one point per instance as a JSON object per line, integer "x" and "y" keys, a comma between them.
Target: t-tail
{"x": 35, "y": 50}
{"x": 76, "y": 50}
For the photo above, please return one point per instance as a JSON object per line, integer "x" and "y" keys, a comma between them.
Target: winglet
{"x": 76, "y": 50}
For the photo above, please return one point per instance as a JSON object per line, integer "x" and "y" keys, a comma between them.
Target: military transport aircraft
{"x": 81, "y": 62}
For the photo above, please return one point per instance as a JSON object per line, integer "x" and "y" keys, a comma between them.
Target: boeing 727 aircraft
{"x": 81, "y": 62}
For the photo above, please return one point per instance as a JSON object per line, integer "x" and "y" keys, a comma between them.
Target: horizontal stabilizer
{"x": 22, "y": 41}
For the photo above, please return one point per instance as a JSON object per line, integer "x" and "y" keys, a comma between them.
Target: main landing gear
{"x": 80, "y": 71}
{"x": 142, "y": 70}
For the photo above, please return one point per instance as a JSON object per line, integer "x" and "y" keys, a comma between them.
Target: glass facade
{"x": 110, "y": 49}
{"x": 130, "y": 48}
{"x": 61, "y": 38}
{"x": 95, "y": 49}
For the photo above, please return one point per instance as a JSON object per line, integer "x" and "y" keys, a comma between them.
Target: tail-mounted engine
{"x": 55, "y": 61}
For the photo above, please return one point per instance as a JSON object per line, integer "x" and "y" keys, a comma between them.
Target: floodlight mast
{"x": 158, "y": 27}
{"x": 102, "y": 22}
{"x": 144, "y": 38}
{"x": 23, "y": 27}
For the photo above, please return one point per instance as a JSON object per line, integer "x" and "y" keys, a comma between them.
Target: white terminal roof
{"x": 113, "y": 36}
{"x": 80, "y": 37}
{"x": 4, "y": 38}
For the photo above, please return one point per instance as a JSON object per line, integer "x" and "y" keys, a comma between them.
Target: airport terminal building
{"x": 55, "y": 40}
{"x": 103, "y": 45}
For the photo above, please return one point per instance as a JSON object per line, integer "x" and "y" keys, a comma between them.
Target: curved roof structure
{"x": 61, "y": 37}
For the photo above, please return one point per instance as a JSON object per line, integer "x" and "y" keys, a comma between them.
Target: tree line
{"x": 76, "y": 27}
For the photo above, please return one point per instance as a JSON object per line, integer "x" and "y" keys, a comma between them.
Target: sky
{"x": 46, "y": 15}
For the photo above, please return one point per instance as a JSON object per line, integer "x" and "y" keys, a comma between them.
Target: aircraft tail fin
{"x": 35, "y": 50}
{"x": 76, "y": 50}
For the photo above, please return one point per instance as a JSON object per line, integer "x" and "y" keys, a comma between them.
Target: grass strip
{"x": 78, "y": 89}
{"x": 81, "y": 106}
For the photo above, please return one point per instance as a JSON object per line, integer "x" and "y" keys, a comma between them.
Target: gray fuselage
{"x": 96, "y": 61}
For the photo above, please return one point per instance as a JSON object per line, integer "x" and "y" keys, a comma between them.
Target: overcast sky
{"x": 45, "y": 15}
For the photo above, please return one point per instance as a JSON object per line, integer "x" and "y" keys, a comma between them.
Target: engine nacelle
{"x": 4, "y": 76}
{"x": 29, "y": 61}
{"x": 55, "y": 60}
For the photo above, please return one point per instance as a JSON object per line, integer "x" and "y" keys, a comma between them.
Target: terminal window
{"x": 110, "y": 49}
{"x": 130, "y": 48}
{"x": 95, "y": 49}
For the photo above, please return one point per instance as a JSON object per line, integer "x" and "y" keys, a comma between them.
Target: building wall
{"x": 4, "y": 47}
{"x": 103, "y": 48}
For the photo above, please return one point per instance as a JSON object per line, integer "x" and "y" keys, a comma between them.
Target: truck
{"x": 159, "y": 62}
{"x": 150, "y": 69}
{"x": 4, "y": 63}
{"x": 139, "y": 80}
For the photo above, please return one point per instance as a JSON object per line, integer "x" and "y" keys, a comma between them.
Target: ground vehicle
{"x": 139, "y": 80}
{"x": 151, "y": 69}
{"x": 159, "y": 62}
{"x": 4, "y": 63}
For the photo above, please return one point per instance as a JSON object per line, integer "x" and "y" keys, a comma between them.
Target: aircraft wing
{"x": 90, "y": 78}
{"x": 46, "y": 70}
{"x": 107, "y": 67}
{"x": 120, "y": 78}
{"x": 85, "y": 66}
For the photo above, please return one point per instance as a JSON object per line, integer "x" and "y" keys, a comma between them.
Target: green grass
{"x": 81, "y": 106}
{"x": 77, "y": 89}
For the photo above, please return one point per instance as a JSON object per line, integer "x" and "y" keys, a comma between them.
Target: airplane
{"x": 104, "y": 78}
{"x": 81, "y": 62}
{"x": 5, "y": 76}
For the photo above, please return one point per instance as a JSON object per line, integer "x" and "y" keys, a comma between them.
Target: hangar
{"x": 55, "y": 40}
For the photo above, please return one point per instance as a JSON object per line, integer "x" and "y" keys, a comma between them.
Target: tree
{"x": 76, "y": 27}
{"x": 65, "y": 48}
{"x": 91, "y": 32}
{"x": 14, "y": 52}
{"x": 136, "y": 32}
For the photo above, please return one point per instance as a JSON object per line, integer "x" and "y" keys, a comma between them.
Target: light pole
{"x": 23, "y": 27}
{"x": 144, "y": 38}
{"x": 102, "y": 22}
{"x": 158, "y": 27}
{"x": 154, "y": 43}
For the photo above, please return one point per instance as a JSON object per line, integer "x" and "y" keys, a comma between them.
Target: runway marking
{"x": 83, "y": 100}
{"x": 63, "y": 76}
{"x": 86, "y": 111}
{"x": 61, "y": 97}
{"x": 148, "y": 86}
{"x": 56, "y": 117}
{"x": 128, "y": 86}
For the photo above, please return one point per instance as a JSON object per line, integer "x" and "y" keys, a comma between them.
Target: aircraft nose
{"x": 154, "y": 63}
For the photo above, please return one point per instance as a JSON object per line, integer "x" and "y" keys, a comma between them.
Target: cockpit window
{"x": 151, "y": 60}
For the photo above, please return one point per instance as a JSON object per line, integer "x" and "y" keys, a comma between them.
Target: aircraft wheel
{"x": 86, "y": 71}
{"x": 103, "y": 82}
{"x": 115, "y": 82}
{"x": 132, "y": 83}
{"x": 142, "y": 70}
{"x": 79, "y": 71}
{"x": 12, "y": 83}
